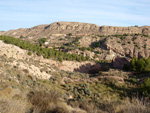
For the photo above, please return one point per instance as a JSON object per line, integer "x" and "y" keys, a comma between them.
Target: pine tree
{"x": 133, "y": 63}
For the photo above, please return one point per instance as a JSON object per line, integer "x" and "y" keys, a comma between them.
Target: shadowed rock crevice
{"x": 93, "y": 69}
{"x": 88, "y": 68}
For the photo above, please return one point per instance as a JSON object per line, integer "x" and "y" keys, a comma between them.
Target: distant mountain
{"x": 74, "y": 28}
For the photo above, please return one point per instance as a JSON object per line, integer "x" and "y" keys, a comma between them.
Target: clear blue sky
{"x": 16, "y": 14}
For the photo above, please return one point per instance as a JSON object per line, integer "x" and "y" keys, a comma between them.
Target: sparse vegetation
{"x": 134, "y": 38}
{"x": 98, "y": 44}
{"x": 45, "y": 52}
{"x": 145, "y": 46}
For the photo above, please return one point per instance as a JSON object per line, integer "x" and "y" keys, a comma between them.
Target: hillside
{"x": 29, "y": 81}
{"x": 71, "y": 67}
{"x": 113, "y": 41}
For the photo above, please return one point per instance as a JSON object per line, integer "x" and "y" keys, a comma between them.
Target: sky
{"x": 16, "y": 14}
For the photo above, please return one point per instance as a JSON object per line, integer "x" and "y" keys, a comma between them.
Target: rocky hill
{"x": 41, "y": 78}
{"x": 106, "y": 42}
{"x": 32, "y": 84}
{"x": 75, "y": 28}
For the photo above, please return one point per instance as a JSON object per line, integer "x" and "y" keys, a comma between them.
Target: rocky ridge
{"x": 74, "y": 28}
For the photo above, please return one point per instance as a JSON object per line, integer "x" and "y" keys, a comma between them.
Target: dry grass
{"x": 89, "y": 107}
{"x": 52, "y": 102}
{"x": 47, "y": 102}
{"x": 11, "y": 101}
{"x": 134, "y": 106}
{"x": 13, "y": 106}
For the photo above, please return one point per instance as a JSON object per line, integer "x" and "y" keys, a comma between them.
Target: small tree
{"x": 146, "y": 86}
{"x": 21, "y": 36}
{"x": 133, "y": 63}
{"x": 42, "y": 41}
{"x": 60, "y": 59}
{"x": 140, "y": 65}
{"x": 69, "y": 34}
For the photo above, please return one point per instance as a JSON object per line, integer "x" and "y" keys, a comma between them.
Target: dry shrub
{"x": 47, "y": 102}
{"x": 6, "y": 92}
{"x": 13, "y": 106}
{"x": 85, "y": 106}
{"x": 107, "y": 106}
{"x": 88, "y": 106}
{"x": 26, "y": 71}
{"x": 10, "y": 104}
{"x": 135, "y": 106}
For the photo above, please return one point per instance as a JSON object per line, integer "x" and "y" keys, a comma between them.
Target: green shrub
{"x": 145, "y": 46}
{"x": 21, "y": 36}
{"x": 119, "y": 42}
{"x": 83, "y": 48}
{"x": 134, "y": 38}
{"x": 134, "y": 80}
{"x": 140, "y": 65}
{"x": 98, "y": 44}
{"x": 69, "y": 34}
{"x": 129, "y": 42}
{"x": 146, "y": 87}
{"x": 42, "y": 41}
{"x": 125, "y": 34}
{"x": 60, "y": 59}
{"x": 30, "y": 53}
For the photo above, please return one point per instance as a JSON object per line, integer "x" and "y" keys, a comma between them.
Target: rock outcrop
{"x": 127, "y": 46}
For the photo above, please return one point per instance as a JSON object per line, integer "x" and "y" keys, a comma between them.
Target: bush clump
{"x": 140, "y": 65}
{"x": 146, "y": 87}
{"x": 47, "y": 102}
{"x": 29, "y": 53}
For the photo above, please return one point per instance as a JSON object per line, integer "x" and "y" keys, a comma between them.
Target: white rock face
{"x": 32, "y": 69}
{"x": 11, "y": 51}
